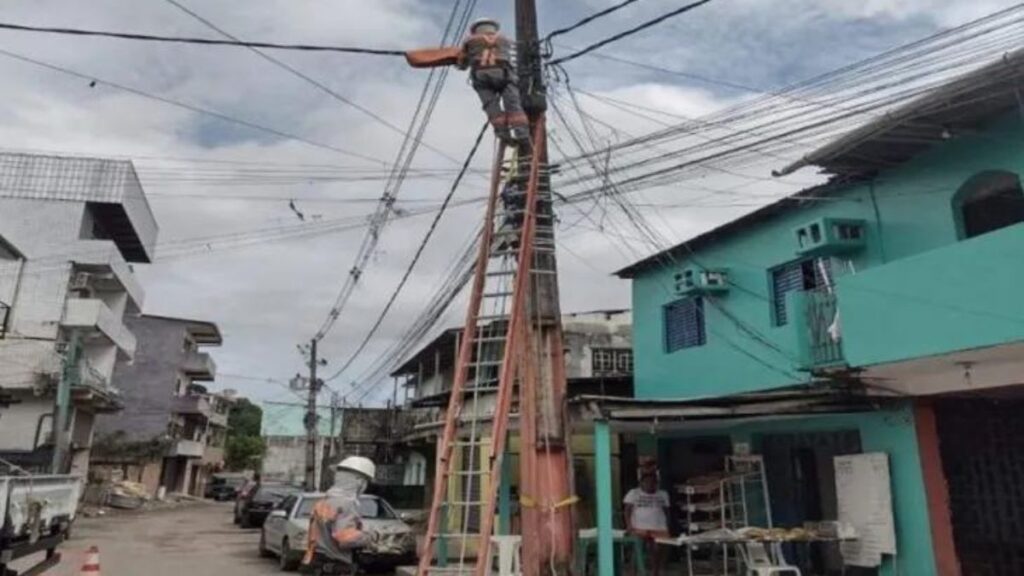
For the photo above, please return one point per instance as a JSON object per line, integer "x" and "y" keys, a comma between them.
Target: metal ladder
{"x": 470, "y": 456}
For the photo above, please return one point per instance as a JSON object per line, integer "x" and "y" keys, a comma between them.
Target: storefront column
{"x": 603, "y": 496}
{"x": 936, "y": 490}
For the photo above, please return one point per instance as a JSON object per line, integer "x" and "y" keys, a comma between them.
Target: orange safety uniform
{"x": 489, "y": 58}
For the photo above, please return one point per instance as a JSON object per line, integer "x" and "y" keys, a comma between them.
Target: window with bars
{"x": 612, "y": 361}
{"x": 684, "y": 324}
{"x": 794, "y": 277}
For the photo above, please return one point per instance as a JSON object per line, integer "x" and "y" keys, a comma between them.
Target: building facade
{"x": 172, "y": 431}
{"x": 898, "y": 281}
{"x": 599, "y": 361}
{"x": 283, "y": 430}
{"x": 79, "y": 224}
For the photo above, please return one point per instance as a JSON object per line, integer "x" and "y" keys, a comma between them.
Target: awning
{"x": 792, "y": 402}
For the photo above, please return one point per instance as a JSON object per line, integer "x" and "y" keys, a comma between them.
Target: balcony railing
{"x": 819, "y": 331}
{"x": 92, "y": 313}
{"x": 198, "y": 405}
{"x": 199, "y": 366}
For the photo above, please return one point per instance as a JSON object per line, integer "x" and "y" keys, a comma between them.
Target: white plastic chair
{"x": 759, "y": 562}
{"x": 507, "y": 548}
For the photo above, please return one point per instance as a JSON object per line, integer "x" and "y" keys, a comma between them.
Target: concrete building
{"x": 166, "y": 408}
{"x": 78, "y": 224}
{"x": 884, "y": 324}
{"x": 284, "y": 434}
{"x": 599, "y": 361}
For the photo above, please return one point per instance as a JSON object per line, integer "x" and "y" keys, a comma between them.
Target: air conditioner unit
{"x": 695, "y": 280}
{"x": 830, "y": 237}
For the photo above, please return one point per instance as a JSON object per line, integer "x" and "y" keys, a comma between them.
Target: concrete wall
{"x": 150, "y": 384}
{"x": 908, "y": 211}
{"x": 285, "y": 459}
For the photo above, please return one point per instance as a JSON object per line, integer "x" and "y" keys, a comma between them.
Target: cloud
{"x": 272, "y": 295}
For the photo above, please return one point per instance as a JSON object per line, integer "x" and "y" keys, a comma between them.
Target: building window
{"x": 611, "y": 361}
{"x": 684, "y": 324}
{"x": 987, "y": 202}
{"x": 795, "y": 277}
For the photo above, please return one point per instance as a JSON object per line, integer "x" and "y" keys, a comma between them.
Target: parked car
{"x": 393, "y": 542}
{"x": 285, "y": 531}
{"x": 256, "y": 505}
{"x": 224, "y": 487}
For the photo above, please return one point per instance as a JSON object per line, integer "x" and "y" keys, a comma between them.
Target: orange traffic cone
{"x": 91, "y": 566}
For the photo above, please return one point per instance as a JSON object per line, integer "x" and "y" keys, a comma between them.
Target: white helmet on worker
{"x": 360, "y": 465}
{"x": 475, "y": 26}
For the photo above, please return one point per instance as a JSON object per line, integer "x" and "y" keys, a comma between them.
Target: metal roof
{"x": 959, "y": 107}
{"x": 202, "y": 331}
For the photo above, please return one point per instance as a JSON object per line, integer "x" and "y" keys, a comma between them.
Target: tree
{"x": 244, "y": 447}
{"x": 243, "y": 452}
{"x": 245, "y": 419}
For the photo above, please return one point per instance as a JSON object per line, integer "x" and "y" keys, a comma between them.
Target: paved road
{"x": 196, "y": 540}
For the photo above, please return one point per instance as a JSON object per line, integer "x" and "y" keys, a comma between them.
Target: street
{"x": 197, "y": 540}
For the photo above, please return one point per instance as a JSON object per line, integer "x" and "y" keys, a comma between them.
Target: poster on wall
{"x": 864, "y": 495}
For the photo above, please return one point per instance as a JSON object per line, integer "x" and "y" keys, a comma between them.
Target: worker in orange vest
{"x": 488, "y": 55}
{"x": 335, "y": 527}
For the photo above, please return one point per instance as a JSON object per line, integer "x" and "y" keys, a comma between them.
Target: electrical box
{"x": 830, "y": 236}
{"x": 695, "y": 280}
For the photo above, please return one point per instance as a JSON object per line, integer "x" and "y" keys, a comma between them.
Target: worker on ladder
{"x": 487, "y": 53}
{"x": 335, "y": 528}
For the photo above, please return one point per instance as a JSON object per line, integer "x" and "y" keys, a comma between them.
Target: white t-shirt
{"x": 648, "y": 509}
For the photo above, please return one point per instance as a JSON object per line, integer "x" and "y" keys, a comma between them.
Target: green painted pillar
{"x": 603, "y": 497}
{"x": 505, "y": 496}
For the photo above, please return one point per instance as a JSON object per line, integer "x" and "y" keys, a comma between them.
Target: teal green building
{"x": 896, "y": 288}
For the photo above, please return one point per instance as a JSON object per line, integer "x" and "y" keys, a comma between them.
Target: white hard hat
{"x": 484, "y": 22}
{"x": 360, "y": 465}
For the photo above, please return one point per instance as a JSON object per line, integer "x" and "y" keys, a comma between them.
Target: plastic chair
{"x": 759, "y": 562}
{"x": 507, "y": 548}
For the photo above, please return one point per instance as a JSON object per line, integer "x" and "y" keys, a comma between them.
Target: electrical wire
{"x": 306, "y": 77}
{"x": 626, "y": 33}
{"x": 190, "y": 107}
{"x": 415, "y": 259}
{"x": 589, "y": 19}
{"x": 200, "y": 41}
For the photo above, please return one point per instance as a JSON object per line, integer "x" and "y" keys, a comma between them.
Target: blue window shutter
{"x": 684, "y": 324}
{"x": 786, "y": 279}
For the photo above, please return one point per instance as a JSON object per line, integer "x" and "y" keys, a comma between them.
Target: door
{"x": 275, "y": 526}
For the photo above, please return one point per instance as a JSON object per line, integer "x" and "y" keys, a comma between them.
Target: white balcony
{"x": 188, "y": 449}
{"x": 93, "y": 315}
{"x": 110, "y": 271}
{"x": 199, "y": 366}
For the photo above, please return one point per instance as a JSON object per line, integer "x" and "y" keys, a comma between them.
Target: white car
{"x": 286, "y": 531}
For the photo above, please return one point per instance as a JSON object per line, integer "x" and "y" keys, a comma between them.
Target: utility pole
{"x": 311, "y": 419}
{"x": 545, "y": 472}
{"x": 331, "y": 445}
{"x": 62, "y": 405}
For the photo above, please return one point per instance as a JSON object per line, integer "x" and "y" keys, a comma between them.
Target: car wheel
{"x": 288, "y": 561}
{"x": 264, "y": 551}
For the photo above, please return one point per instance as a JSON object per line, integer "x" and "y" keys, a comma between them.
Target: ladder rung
{"x": 483, "y": 363}
{"x": 498, "y": 294}
{"x": 465, "y": 503}
{"x": 465, "y": 473}
{"x": 489, "y": 317}
{"x": 502, "y": 273}
{"x": 456, "y": 535}
{"x": 486, "y": 339}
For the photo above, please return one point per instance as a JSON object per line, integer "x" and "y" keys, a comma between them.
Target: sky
{"x": 272, "y": 294}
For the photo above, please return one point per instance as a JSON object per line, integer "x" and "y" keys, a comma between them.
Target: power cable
{"x": 190, "y": 107}
{"x": 202, "y": 41}
{"x": 629, "y": 32}
{"x": 589, "y": 19}
{"x": 305, "y": 77}
{"x": 415, "y": 259}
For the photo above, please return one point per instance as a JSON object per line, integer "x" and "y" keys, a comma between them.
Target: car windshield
{"x": 273, "y": 493}
{"x": 306, "y": 507}
{"x": 375, "y": 508}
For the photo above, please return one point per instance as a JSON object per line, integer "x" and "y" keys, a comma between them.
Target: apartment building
{"x": 79, "y": 224}
{"x": 172, "y": 431}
